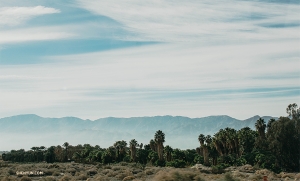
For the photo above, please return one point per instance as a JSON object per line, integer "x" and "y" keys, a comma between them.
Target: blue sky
{"x": 93, "y": 59}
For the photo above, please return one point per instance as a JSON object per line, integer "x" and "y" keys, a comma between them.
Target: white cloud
{"x": 34, "y": 34}
{"x": 13, "y": 16}
{"x": 123, "y": 82}
{"x": 204, "y": 21}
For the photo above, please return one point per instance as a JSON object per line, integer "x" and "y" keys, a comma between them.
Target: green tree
{"x": 159, "y": 138}
{"x": 133, "y": 144}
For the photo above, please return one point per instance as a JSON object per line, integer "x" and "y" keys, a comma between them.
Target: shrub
{"x": 55, "y": 174}
{"x": 48, "y": 179}
{"x": 82, "y": 177}
{"x": 176, "y": 175}
{"x": 25, "y": 178}
{"x": 107, "y": 167}
{"x": 199, "y": 159}
{"x": 228, "y": 177}
{"x": 220, "y": 168}
{"x": 11, "y": 172}
{"x": 176, "y": 163}
{"x": 102, "y": 178}
{"x": 160, "y": 163}
{"x": 217, "y": 169}
{"x": 8, "y": 179}
{"x": 128, "y": 178}
{"x": 65, "y": 178}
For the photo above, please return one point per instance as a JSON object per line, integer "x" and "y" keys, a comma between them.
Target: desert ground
{"x": 135, "y": 172}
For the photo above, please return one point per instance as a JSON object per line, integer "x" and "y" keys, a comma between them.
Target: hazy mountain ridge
{"x": 180, "y": 131}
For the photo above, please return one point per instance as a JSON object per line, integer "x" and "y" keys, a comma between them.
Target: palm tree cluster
{"x": 275, "y": 145}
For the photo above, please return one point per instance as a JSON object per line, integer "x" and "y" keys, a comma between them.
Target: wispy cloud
{"x": 34, "y": 34}
{"x": 13, "y": 16}
{"x": 159, "y": 79}
{"x": 171, "y": 21}
{"x": 209, "y": 57}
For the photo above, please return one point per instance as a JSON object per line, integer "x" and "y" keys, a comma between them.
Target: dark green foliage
{"x": 198, "y": 159}
{"x": 217, "y": 169}
{"x": 142, "y": 155}
{"x": 160, "y": 163}
{"x": 176, "y": 163}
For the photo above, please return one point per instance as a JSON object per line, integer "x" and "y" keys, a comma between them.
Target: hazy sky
{"x": 93, "y": 59}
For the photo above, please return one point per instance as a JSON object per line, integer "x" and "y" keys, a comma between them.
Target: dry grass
{"x": 178, "y": 175}
{"x": 135, "y": 172}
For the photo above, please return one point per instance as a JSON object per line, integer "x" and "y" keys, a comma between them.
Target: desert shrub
{"x": 48, "y": 179}
{"x": 11, "y": 172}
{"x": 176, "y": 163}
{"x": 128, "y": 178}
{"x": 111, "y": 173}
{"x": 255, "y": 177}
{"x": 107, "y": 167}
{"x": 92, "y": 172}
{"x": 140, "y": 175}
{"x": 116, "y": 168}
{"x": 175, "y": 175}
{"x": 81, "y": 177}
{"x": 66, "y": 178}
{"x": 105, "y": 171}
{"x": 3, "y": 164}
{"x": 8, "y": 178}
{"x": 102, "y": 178}
{"x": 217, "y": 169}
{"x": 122, "y": 175}
{"x": 135, "y": 171}
{"x": 123, "y": 163}
{"x": 229, "y": 177}
{"x": 55, "y": 173}
{"x": 25, "y": 178}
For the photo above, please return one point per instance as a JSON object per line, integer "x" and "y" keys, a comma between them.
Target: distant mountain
{"x": 25, "y": 131}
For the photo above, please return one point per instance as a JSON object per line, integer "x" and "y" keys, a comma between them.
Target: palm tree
{"x": 168, "y": 151}
{"x": 260, "y": 126}
{"x": 66, "y": 145}
{"x": 201, "y": 139}
{"x": 120, "y": 149}
{"x": 153, "y": 145}
{"x": 217, "y": 145}
{"x": 133, "y": 144}
{"x": 159, "y": 138}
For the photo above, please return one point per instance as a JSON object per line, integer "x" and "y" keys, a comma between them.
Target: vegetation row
{"x": 274, "y": 145}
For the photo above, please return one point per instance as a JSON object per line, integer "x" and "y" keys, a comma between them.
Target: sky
{"x": 95, "y": 59}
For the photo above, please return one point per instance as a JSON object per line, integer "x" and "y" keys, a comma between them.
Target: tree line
{"x": 274, "y": 145}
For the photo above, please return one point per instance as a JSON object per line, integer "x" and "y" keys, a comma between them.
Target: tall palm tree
{"x": 120, "y": 149}
{"x": 168, "y": 151}
{"x": 153, "y": 145}
{"x": 133, "y": 144}
{"x": 217, "y": 145}
{"x": 159, "y": 138}
{"x": 66, "y": 145}
{"x": 201, "y": 139}
{"x": 260, "y": 126}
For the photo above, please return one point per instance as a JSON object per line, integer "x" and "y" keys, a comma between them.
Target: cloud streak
{"x": 12, "y": 16}
{"x": 208, "y": 58}
{"x": 177, "y": 21}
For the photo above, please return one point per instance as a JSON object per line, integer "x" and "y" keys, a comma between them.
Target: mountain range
{"x": 26, "y": 131}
